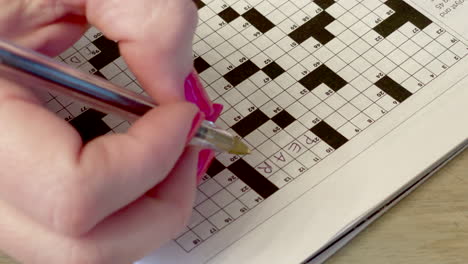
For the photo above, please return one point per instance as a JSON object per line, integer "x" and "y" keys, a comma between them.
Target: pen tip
{"x": 239, "y": 148}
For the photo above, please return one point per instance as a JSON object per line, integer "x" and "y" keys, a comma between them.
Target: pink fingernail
{"x": 217, "y": 109}
{"x": 195, "y": 93}
{"x": 197, "y": 120}
{"x": 205, "y": 157}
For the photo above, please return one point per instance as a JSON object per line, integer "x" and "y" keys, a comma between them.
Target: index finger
{"x": 155, "y": 38}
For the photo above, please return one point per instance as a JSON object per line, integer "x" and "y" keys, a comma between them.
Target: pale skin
{"x": 119, "y": 197}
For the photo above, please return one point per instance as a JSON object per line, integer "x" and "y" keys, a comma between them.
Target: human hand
{"x": 118, "y": 197}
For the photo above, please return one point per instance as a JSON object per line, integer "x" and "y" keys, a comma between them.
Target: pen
{"x": 23, "y": 65}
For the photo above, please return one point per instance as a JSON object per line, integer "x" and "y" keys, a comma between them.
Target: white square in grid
{"x": 361, "y": 121}
{"x": 296, "y": 110}
{"x": 298, "y": 53}
{"x": 423, "y": 57}
{"x": 201, "y": 47}
{"x": 335, "y": 101}
{"x": 269, "y": 129}
{"x": 288, "y": 8}
{"x": 286, "y": 62}
{"x": 323, "y": 54}
{"x": 121, "y": 79}
{"x": 275, "y": 34}
{"x": 422, "y": 39}
{"x": 235, "y": 209}
{"x": 203, "y": 30}
{"x": 412, "y": 85}
{"x": 255, "y": 157}
{"x": 259, "y": 98}
{"x": 348, "y": 37}
{"x": 335, "y": 64}
{"x": 360, "y": 83}
{"x": 399, "y": 75}
{"x": 347, "y": 18}
{"x": 383, "y": 11}
{"x": 238, "y": 41}
{"x": 245, "y": 107}
{"x": 282, "y": 139}
{"x": 361, "y": 102}
{"x": 397, "y": 38}
{"x": 274, "y": 52}
{"x": 336, "y": 10}
{"x": 308, "y": 159}
{"x": 373, "y": 55}
{"x": 293, "y": 169}
{"x": 225, "y": 49}
{"x": 360, "y": 28}
{"x": 360, "y": 46}
{"x": 424, "y": 75}
{"x": 54, "y": 106}
{"x": 220, "y": 219}
{"x": 297, "y": 90}
{"x": 205, "y": 230}
{"x": 335, "y": 27}
{"x": 322, "y": 110}
{"x": 231, "y": 116}
{"x": 348, "y": 55}
{"x": 246, "y": 87}
{"x": 295, "y": 129}
{"x": 336, "y": 45}
{"x": 212, "y": 57}
{"x": 372, "y": 20}
{"x": 411, "y": 66}
{"x": 295, "y": 149}
{"x": 374, "y": 111}
{"x": 255, "y": 138}
{"x": 385, "y": 65}
{"x": 270, "y": 109}
{"x": 110, "y": 70}
{"x": 360, "y": 65}
{"x": 447, "y": 40}
{"x": 287, "y": 25}
{"x": 262, "y": 42}
{"x": 200, "y": 197}
{"x": 387, "y": 103}
{"x": 409, "y": 47}
{"x": 436, "y": 66}
{"x": 87, "y": 68}
{"x": 280, "y": 179}
{"x": 225, "y": 177}
{"x": 460, "y": 49}
{"x": 311, "y": 45}
{"x": 251, "y": 199}
{"x": 322, "y": 149}
{"x": 348, "y": 73}
{"x": 238, "y": 188}
{"x": 280, "y": 159}
{"x": 297, "y": 72}
{"x": 195, "y": 219}
{"x": 285, "y": 80}
{"x": 263, "y": 7}
{"x": 397, "y": 56}
{"x": 409, "y": 29}
{"x": 222, "y": 67}
{"x": 68, "y": 52}
{"x": 348, "y": 92}
{"x": 214, "y": 39}
{"x": 268, "y": 148}
{"x": 348, "y": 130}
{"x": 260, "y": 79}
{"x": 188, "y": 241}
{"x": 435, "y": 48}
{"x": 384, "y": 46}
{"x": 210, "y": 187}
{"x": 309, "y": 101}
{"x": 209, "y": 75}
{"x": 311, "y": 63}
{"x": 348, "y": 111}
{"x": 360, "y": 11}
{"x": 227, "y": 32}
{"x": 322, "y": 92}
{"x": 448, "y": 58}
{"x": 284, "y": 99}
{"x": 207, "y": 208}
{"x": 335, "y": 120}
{"x": 223, "y": 198}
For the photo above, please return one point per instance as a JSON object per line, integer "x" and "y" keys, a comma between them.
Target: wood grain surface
{"x": 430, "y": 226}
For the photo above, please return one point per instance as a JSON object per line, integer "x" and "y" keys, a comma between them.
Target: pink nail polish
{"x": 195, "y": 93}
{"x": 205, "y": 157}
{"x": 217, "y": 109}
{"x": 197, "y": 120}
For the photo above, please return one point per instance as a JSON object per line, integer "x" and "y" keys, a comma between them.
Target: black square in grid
{"x": 241, "y": 73}
{"x": 251, "y": 122}
{"x": 324, "y": 4}
{"x": 273, "y": 70}
{"x": 109, "y": 52}
{"x": 200, "y": 65}
{"x": 329, "y": 135}
{"x": 283, "y": 119}
{"x": 199, "y": 3}
{"x": 215, "y": 168}
{"x": 258, "y": 20}
{"x": 229, "y": 14}
{"x": 325, "y": 75}
{"x": 90, "y": 125}
{"x": 394, "y": 89}
{"x": 316, "y": 28}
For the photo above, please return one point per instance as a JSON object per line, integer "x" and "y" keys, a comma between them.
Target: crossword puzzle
{"x": 298, "y": 79}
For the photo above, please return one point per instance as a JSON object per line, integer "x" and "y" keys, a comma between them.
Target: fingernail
{"x": 217, "y": 109}
{"x": 195, "y": 93}
{"x": 197, "y": 121}
{"x": 205, "y": 157}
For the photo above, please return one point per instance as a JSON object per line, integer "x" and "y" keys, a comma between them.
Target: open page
{"x": 343, "y": 102}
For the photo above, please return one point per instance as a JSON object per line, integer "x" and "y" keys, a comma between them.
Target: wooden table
{"x": 428, "y": 226}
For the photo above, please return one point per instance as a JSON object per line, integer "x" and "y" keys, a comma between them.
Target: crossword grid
{"x": 298, "y": 80}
